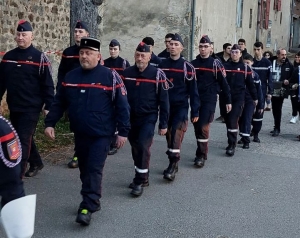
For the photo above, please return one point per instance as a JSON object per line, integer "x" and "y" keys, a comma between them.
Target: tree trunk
{"x": 87, "y": 11}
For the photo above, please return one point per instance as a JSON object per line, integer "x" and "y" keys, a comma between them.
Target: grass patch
{"x": 63, "y": 136}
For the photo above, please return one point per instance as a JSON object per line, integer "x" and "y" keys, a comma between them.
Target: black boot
{"x": 246, "y": 146}
{"x": 170, "y": 172}
{"x": 200, "y": 161}
{"x": 137, "y": 190}
{"x": 255, "y": 138}
{"x": 230, "y": 150}
{"x": 144, "y": 184}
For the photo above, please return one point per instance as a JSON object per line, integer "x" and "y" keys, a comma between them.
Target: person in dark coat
{"x": 249, "y": 106}
{"x": 262, "y": 67}
{"x": 295, "y": 89}
{"x": 70, "y": 61}
{"x": 117, "y": 63}
{"x": 211, "y": 77}
{"x": 165, "y": 53}
{"x": 11, "y": 185}
{"x": 155, "y": 60}
{"x": 148, "y": 97}
{"x": 97, "y": 103}
{"x": 183, "y": 93}
{"x": 281, "y": 71}
{"x": 25, "y": 74}
{"x": 294, "y": 95}
{"x": 242, "y": 45}
{"x": 239, "y": 76}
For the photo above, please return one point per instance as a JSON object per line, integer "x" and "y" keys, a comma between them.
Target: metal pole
{"x": 192, "y": 35}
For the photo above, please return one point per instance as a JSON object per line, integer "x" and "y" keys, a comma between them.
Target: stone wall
{"x": 49, "y": 18}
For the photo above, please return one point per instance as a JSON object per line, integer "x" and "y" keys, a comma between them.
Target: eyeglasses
{"x": 235, "y": 52}
{"x": 203, "y": 46}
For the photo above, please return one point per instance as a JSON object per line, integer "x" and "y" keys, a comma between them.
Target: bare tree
{"x": 87, "y": 11}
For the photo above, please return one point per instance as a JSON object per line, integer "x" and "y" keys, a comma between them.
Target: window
{"x": 239, "y": 13}
{"x": 250, "y": 20}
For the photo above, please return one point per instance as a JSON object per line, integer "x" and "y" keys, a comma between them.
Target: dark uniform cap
{"x": 236, "y": 47}
{"x": 90, "y": 43}
{"x": 142, "y": 47}
{"x": 114, "y": 43}
{"x": 177, "y": 37}
{"x": 205, "y": 39}
{"x": 24, "y": 26}
{"x": 82, "y": 25}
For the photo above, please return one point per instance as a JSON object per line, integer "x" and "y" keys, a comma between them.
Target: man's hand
{"x": 269, "y": 96}
{"x": 162, "y": 132}
{"x": 194, "y": 119}
{"x": 50, "y": 132}
{"x": 286, "y": 82}
{"x": 120, "y": 141}
{"x": 255, "y": 102}
{"x": 228, "y": 108}
{"x": 295, "y": 86}
{"x": 45, "y": 112}
{"x": 260, "y": 111}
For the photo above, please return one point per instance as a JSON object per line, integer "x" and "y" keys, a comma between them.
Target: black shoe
{"x": 230, "y": 151}
{"x": 145, "y": 184}
{"x": 176, "y": 169}
{"x": 32, "y": 171}
{"x": 239, "y": 142}
{"x": 256, "y": 139}
{"x": 112, "y": 151}
{"x": 276, "y": 132}
{"x": 199, "y": 162}
{"x": 84, "y": 217}
{"x": 170, "y": 172}
{"x": 245, "y": 146}
{"x": 137, "y": 190}
{"x": 73, "y": 163}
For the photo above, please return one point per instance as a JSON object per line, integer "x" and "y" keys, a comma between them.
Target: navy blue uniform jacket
{"x": 263, "y": 68}
{"x": 210, "y": 79}
{"x": 88, "y": 96}
{"x": 145, "y": 96}
{"x": 69, "y": 61}
{"x": 239, "y": 76}
{"x": 155, "y": 60}
{"x": 260, "y": 97}
{"x": 26, "y": 75}
{"x": 183, "y": 90}
{"x": 118, "y": 64}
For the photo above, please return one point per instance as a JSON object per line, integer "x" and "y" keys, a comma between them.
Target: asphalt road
{"x": 253, "y": 194}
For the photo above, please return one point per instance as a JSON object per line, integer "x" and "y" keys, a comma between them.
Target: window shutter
{"x": 267, "y": 13}
{"x": 278, "y": 5}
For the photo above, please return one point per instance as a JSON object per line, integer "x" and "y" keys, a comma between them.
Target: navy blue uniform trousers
{"x": 245, "y": 121}
{"x": 202, "y": 126}
{"x": 11, "y": 185}
{"x": 258, "y": 117}
{"x": 231, "y": 120}
{"x": 91, "y": 153}
{"x": 140, "y": 138}
{"x": 25, "y": 125}
{"x": 177, "y": 126}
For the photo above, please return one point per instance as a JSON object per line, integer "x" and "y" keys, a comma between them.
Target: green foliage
{"x": 63, "y": 136}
